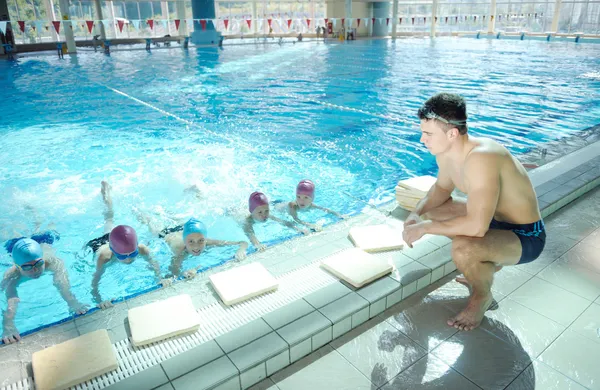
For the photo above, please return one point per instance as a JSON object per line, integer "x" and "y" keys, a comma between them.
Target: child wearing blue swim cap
{"x": 30, "y": 261}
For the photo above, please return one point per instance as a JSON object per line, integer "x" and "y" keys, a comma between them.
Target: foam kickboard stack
{"x": 410, "y": 191}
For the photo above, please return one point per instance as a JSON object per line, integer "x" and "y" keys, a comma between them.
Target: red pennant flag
{"x": 56, "y": 24}
{"x": 289, "y": 21}
{"x": 387, "y": 21}
{"x": 90, "y": 25}
{"x": 177, "y": 21}
{"x": 446, "y": 20}
{"x": 456, "y": 19}
{"x": 120, "y": 23}
{"x": 21, "y": 25}
{"x": 475, "y": 18}
{"x": 150, "y": 23}
{"x": 226, "y": 21}
{"x": 400, "y": 20}
{"x": 249, "y": 22}
{"x": 372, "y": 21}
{"x": 326, "y": 21}
{"x": 269, "y": 21}
{"x": 343, "y": 21}
{"x": 413, "y": 20}
{"x": 203, "y": 24}
{"x": 424, "y": 20}
{"x": 357, "y": 23}
{"x": 307, "y": 22}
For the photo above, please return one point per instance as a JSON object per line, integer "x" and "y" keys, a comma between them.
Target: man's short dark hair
{"x": 450, "y": 107}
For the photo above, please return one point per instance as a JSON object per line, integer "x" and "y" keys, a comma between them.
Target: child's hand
{"x": 105, "y": 304}
{"x": 190, "y": 274}
{"x": 261, "y": 247}
{"x": 78, "y": 308}
{"x": 306, "y": 232}
{"x": 166, "y": 282}
{"x": 240, "y": 254}
{"x": 317, "y": 228}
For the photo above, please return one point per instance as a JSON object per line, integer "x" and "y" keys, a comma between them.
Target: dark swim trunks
{"x": 47, "y": 237}
{"x": 532, "y": 236}
{"x": 96, "y": 243}
{"x": 167, "y": 231}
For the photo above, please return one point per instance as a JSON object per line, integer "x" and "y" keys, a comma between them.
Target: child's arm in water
{"x": 240, "y": 254}
{"x": 102, "y": 258}
{"x": 145, "y": 253}
{"x": 10, "y": 333}
{"x": 61, "y": 282}
{"x": 249, "y": 230}
{"x": 294, "y": 213}
{"x": 329, "y": 211}
{"x": 289, "y": 224}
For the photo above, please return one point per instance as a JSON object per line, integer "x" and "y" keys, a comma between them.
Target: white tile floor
{"x": 543, "y": 334}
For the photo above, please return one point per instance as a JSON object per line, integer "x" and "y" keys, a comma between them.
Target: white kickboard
{"x": 417, "y": 184}
{"x": 242, "y": 283}
{"x": 163, "y": 319}
{"x": 73, "y": 362}
{"x": 356, "y": 267}
{"x": 376, "y": 238}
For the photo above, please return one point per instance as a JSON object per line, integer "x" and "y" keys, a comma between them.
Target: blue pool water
{"x": 251, "y": 117}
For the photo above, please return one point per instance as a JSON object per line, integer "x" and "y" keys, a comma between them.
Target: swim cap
{"x": 194, "y": 226}
{"x": 257, "y": 199}
{"x": 306, "y": 187}
{"x": 26, "y": 250}
{"x": 123, "y": 239}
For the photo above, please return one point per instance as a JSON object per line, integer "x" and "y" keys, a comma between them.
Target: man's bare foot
{"x": 105, "y": 190}
{"x": 462, "y": 280}
{"x": 471, "y": 316}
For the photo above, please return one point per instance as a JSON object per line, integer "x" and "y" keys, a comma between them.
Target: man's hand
{"x": 413, "y": 232}
{"x": 411, "y": 220}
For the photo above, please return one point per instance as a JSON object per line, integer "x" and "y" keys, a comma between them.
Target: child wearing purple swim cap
{"x": 258, "y": 205}
{"x": 305, "y": 196}
{"x": 119, "y": 243}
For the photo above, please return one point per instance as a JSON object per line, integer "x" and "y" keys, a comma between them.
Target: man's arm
{"x": 482, "y": 179}
{"x": 439, "y": 193}
{"x": 61, "y": 281}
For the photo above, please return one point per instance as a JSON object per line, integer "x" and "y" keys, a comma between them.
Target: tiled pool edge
{"x": 262, "y": 346}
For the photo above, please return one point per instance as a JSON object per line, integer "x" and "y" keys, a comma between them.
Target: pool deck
{"x": 316, "y": 331}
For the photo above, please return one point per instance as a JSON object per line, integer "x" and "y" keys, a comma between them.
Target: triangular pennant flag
{"x": 226, "y": 22}
{"x": 456, "y": 19}
{"x": 400, "y": 20}
{"x": 177, "y": 21}
{"x": 269, "y": 21}
{"x": 357, "y": 23}
{"x": 56, "y": 24}
{"x": 21, "y": 25}
{"x": 150, "y": 23}
{"x": 165, "y": 23}
{"x": 475, "y": 18}
{"x": 413, "y": 20}
{"x": 366, "y": 20}
{"x": 436, "y": 19}
{"x": 484, "y": 18}
{"x": 249, "y": 23}
{"x": 121, "y": 23}
{"x": 326, "y": 21}
{"x": 136, "y": 23}
{"x": 387, "y": 21}
{"x": 334, "y": 21}
{"x": 3, "y": 26}
{"x": 105, "y": 22}
{"x": 308, "y": 23}
{"x": 39, "y": 24}
{"x": 343, "y": 22}
{"x": 90, "y": 25}
{"x": 446, "y": 20}
{"x": 424, "y": 20}
{"x": 214, "y": 23}
{"x": 203, "y": 24}
{"x": 189, "y": 22}
{"x": 289, "y": 22}
{"x": 373, "y": 22}
{"x": 33, "y": 26}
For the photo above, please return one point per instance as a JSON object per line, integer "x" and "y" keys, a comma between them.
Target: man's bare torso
{"x": 517, "y": 201}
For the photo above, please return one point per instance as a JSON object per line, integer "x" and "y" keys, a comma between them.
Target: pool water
{"x": 245, "y": 118}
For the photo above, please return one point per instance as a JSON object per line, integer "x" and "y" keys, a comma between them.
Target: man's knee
{"x": 463, "y": 250}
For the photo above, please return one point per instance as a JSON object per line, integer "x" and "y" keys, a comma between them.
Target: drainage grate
{"x": 217, "y": 319}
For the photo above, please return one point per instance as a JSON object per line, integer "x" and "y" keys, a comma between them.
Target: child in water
{"x": 305, "y": 195}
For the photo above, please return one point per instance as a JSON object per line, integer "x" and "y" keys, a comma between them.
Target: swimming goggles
{"x": 126, "y": 256}
{"x": 433, "y": 115}
{"x": 29, "y": 267}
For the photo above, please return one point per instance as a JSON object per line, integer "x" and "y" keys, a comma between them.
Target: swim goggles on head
{"x": 126, "y": 256}
{"x": 29, "y": 267}
{"x": 433, "y": 115}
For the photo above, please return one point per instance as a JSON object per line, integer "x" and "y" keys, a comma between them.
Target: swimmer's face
{"x": 303, "y": 201}
{"x": 261, "y": 213}
{"x": 33, "y": 269}
{"x": 195, "y": 243}
{"x": 435, "y": 138}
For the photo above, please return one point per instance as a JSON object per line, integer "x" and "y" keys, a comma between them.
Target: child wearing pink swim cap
{"x": 119, "y": 243}
{"x": 258, "y": 205}
{"x": 305, "y": 195}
